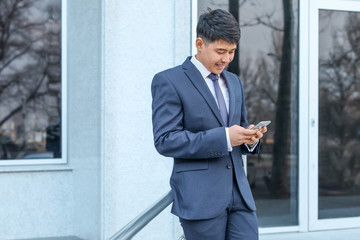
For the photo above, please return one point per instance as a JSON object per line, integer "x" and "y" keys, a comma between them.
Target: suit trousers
{"x": 237, "y": 222}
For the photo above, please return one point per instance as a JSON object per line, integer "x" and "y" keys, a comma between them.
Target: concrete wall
{"x": 85, "y": 114}
{"x": 141, "y": 38}
{"x": 35, "y": 203}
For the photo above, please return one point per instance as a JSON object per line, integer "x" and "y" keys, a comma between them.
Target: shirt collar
{"x": 202, "y": 69}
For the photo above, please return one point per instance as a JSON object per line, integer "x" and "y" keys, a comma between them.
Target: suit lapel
{"x": 230, "y": 87}
{"x": 195, "y": 77}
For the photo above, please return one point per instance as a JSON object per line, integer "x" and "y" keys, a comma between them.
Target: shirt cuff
{"x": 252, "y": 147}
{"x": 228, "y": 140}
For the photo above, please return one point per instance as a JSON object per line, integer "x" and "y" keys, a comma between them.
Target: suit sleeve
{"x": 170, "y": 137}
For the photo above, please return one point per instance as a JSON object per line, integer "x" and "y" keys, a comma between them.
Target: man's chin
{"x": 218, "y": 69}
{"x": 217, "y": 72}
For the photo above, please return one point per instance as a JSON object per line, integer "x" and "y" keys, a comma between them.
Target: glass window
{"x": 267, "y": 63}
{"x": 30, "y": 80}
{"x": 339, "y": 114}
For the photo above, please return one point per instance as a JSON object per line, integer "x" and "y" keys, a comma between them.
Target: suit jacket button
{"x": 228, "y": 166}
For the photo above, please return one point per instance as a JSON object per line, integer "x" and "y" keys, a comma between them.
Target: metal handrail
{"x": 138, "y": 223}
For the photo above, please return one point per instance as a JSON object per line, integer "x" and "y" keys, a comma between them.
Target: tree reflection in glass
{"x": 30, "y": 79}
{"x": 339, "y": 114}
{"x": 267, "y": 65}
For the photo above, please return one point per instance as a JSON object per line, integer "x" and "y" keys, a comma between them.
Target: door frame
{"x": 313, "y": 106}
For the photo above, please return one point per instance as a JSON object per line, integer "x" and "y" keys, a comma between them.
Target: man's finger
{"x": 264, "y": 129}
{"x": 250, "y": 132}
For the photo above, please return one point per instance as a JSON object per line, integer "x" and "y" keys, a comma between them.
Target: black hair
{"x": 217, "y": 25}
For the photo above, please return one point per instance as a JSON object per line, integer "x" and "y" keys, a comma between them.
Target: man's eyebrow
{"x": 224, "y": 49}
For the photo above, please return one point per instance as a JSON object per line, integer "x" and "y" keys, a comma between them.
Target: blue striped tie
{"x": 220, "y": 98}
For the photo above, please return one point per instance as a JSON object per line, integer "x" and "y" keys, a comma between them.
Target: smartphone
{"x": 261, "y": 124}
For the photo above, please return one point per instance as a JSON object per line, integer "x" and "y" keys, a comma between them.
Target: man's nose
{"x": 226, "y": 58}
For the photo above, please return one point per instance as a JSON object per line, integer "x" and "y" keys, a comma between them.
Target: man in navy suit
{"x": 199, "y": 119}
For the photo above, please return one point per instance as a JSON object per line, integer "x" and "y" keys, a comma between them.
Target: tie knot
{"x": 213, "y": 77}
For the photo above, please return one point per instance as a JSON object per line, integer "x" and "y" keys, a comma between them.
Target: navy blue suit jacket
{"x": 187, "y": 126}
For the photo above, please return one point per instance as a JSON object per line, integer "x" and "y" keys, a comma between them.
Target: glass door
{"x": 334, "y": 111}
{"x": 267, "y": 64}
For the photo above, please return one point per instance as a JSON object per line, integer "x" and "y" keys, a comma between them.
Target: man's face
{"x": 215, "y": 56}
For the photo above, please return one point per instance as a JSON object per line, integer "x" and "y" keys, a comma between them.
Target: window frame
{"x": 63, "y": 159}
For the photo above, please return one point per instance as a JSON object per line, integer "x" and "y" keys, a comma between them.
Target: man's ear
{"x": 199, "y": 43}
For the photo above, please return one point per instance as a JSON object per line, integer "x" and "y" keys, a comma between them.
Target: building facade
{"x": 77, "y": 154}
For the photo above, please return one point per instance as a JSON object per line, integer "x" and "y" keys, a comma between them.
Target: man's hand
{"x": 239, "y": 135}
{"x": 259, "y": 133}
